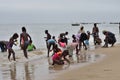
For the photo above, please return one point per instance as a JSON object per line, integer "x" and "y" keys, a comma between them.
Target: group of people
{"x": 3, "y": 46}
{"x": 25, "y": 44}
{"x": 61, "y": 48}
{"x": 52, "y": 44}
{"x": 109, "y": 37}
{"x": 78, "y": 40}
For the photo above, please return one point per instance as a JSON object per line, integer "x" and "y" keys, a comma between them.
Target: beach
{"x": 38, "y": 65}
{"x": 81, "y": 29}
{"x": 106, "y": 69}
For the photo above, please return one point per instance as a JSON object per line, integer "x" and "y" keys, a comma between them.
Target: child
{"x": 65, "y": 53}
{"x": 31, "y": 47}
{"x": 87, "y": 40}
{"x": 10, "y": 45}
{"x": 51, "y": 42}
{"x": 57, "y": 58}
{"x": 72, "y": 46}
{"x": 24, "y": 41}
{"x": 47, "y": 37}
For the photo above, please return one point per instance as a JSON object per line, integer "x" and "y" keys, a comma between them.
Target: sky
{"x": 59, "y": 11}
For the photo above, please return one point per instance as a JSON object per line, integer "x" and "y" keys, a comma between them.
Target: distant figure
{"x": 98, "y": 40}
{"x": 83, "y": 37}
{"x": 3, "y": 46}
{"x": 63, "y": 37}
{"x": 66, "y": 38}
{"x": 109, "y": 38}
{"x": 31, "y": 46}
{"x": 73, "y": 45}
{"x": 87, "y": 40}
{"x": 119, "y": 27}
{"x": 24, "y": 41}
{"x": 10, "y": 44}
{"x": 95, "y": 32}
{"x": 81, "y": 30}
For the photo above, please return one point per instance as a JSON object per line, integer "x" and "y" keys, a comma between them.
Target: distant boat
{"x": 76, "y": 24}
{"x": 114, "y": 23}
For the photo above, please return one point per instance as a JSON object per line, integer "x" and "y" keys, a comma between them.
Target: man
{"x": 109, "y": 38}
{"x": 95, "y": 32}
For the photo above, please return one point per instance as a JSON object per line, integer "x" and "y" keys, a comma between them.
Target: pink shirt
{"x": 55, "y": 57}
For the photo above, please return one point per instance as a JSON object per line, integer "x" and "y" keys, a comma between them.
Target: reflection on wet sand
{"x": 40, "y": 68}
{"x": 29, "y": 71}
{"x": 14, "y": 71}
{"x": 58, "y": 67}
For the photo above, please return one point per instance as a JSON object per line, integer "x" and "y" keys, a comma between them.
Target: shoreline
{"x": 106, "y": 69}
{"x": 19, "y": 55}
{"x": 97, "y": 69}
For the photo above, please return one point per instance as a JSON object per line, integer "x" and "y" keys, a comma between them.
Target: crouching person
{"x": 109, "y": 38}
{"x": 59, "y": 57}
{"x": 31, "y": 46}
{"x": 64, "y": 55}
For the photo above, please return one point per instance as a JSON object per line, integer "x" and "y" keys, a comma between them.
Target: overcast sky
{"x": 59, "y": 11}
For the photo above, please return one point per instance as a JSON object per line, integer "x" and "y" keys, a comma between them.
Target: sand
{"x": 106, "y": 69}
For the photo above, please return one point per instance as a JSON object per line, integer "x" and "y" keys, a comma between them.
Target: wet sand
{"x": 38, "y": 65}
{"x": 106, "y": 69}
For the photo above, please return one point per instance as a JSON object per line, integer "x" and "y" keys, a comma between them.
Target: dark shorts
{"x": 26, "y": 44}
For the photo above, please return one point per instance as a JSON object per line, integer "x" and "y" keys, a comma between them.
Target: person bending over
{"x": 109, "y": 38}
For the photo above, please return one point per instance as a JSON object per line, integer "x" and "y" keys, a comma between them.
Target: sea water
{"x": 37, "y": 33}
